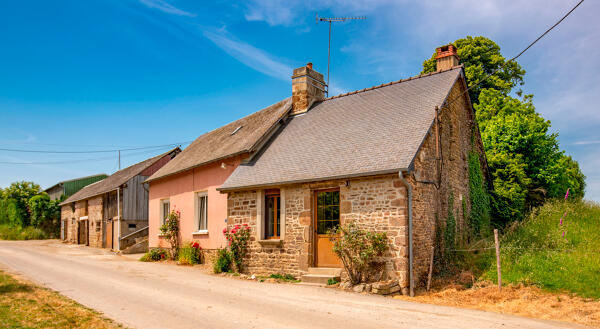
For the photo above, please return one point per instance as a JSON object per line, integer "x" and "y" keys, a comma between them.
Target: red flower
{"x": 225, "y": 230}
{"x": 195, "y": 245}
{"x": 237, "y": 226}
{"x": 248, "y": 228}
{"x": 245, "y": 224}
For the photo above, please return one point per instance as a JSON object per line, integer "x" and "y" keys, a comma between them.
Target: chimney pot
{"x": 446, "y": 57}
{"x": 308, "y": 87}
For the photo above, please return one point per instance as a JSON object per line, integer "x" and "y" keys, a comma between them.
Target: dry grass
{"x": 516, "y": 299}
{"x": 26, "y": 305}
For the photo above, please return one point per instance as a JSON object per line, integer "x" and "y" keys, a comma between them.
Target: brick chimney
{"x": 446, "y": 57}
{"x": 308, "y": 87}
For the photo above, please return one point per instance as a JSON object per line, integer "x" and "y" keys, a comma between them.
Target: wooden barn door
{"x": 83, "y": 232}
{"x": 108, "y": 233}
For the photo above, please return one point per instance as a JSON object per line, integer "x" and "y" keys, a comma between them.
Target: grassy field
{"x": 25, "y": 305}
{"x": 535, "y": 252}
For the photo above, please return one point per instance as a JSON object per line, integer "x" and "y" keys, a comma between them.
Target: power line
{"x": 96, "y": 151}
{"x": 519, "y": 55}
{"x": 81, "y": 160}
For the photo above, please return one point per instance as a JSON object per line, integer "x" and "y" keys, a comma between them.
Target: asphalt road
{"x": 154, "y": 295}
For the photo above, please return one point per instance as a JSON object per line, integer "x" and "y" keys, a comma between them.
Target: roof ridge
{"x": 394, "y": 82}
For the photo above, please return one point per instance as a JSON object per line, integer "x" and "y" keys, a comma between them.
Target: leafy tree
{"x": 524, "y": 158}
{"x": 481, "y": 56}
{"x": 45, "y": 213}
{"x": 15, "y": 198}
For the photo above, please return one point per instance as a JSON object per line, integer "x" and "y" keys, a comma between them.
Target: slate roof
{"x": 222, "y": 143}
{"x": 115, "y": 180}
{"x": 370, "y": 131}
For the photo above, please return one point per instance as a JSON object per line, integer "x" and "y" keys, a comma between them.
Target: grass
{"x": 8, "y": 232}
{"x": 25, "y": 305}
{"x": 535, "y": 252}
{"x": 284, "y": 277}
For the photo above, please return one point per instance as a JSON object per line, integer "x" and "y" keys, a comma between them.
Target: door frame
{"x": 314, "y": 248}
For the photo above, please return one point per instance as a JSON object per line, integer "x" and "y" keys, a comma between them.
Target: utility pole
{"x": 330, "y": 20}
{"x": 119, "y": 159}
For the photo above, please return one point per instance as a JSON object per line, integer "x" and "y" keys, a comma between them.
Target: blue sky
{"x": 97, "y": 75}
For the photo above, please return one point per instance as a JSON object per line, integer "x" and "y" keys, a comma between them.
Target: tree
{"x": 524, "y": 158}
{"x": 45, "y": 213}
{"x": 15, "y": 198}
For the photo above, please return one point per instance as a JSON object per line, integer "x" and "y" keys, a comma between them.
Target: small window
{"x": 202, "y": 211}
{"x": 98, "y": 226}
{"x": 131, "y": 227}
{"x": 165, "y": 209}
{"x": 272, "y": 220}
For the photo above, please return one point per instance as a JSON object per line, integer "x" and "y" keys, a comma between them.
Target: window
{"x": 202, "y": 211}
{"x": 165, "y": 209}
{"x": 131, "y": 227}
{"x": 272, "y": 220}
{"x": 328, "y": 210}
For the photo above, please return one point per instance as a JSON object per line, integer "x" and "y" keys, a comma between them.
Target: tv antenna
{"x": 331, "y": 20}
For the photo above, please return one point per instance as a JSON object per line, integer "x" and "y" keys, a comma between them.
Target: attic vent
{"x": 236, "y": 130}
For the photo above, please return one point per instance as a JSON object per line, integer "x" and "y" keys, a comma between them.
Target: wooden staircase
{"x": 320, "y": 275}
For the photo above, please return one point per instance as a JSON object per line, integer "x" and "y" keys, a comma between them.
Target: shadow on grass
{"x": 8, "y": 288}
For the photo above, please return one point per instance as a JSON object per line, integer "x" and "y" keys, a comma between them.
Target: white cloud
{"x": 166, "y": 7}
{"x": 251, "y": 56}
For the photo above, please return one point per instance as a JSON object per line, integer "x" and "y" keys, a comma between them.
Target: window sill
{"x": 271, "y": 242}
{"x": 201, "y": 232}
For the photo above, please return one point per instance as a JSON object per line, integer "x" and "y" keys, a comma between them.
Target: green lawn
{"x": 536, "y": 253}
{"x": 25, "y": 305}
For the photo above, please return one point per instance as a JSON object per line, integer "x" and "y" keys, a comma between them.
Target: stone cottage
{"x": 387, "y": 157}
{"x": 112, "y": 213}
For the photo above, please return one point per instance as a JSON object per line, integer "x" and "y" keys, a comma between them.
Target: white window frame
{"x": 197, "y": 214}
{"x": 162, "y": 210}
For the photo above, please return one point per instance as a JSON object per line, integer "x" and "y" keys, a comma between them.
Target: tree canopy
{"x": 524, "y": 157}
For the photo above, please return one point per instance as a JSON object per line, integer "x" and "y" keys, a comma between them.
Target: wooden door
{"x": 326, "y": 217}
{"x": 108, "y": 233}
{"x": 65, "y": 229}
{"x": 83, "y": 232}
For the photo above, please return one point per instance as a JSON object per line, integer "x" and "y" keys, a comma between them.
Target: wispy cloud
{"x": 166, "y": 7}
{"x": 250, "y": 56}
{"x": 586, "y": 142}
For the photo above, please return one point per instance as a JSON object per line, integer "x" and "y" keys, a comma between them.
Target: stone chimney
{"x": 308, "y": 87}
{"x": 446, "y": 57}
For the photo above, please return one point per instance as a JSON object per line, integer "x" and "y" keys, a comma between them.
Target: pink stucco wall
{"x": 181, "y": 189}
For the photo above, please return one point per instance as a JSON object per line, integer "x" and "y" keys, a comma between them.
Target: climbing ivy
{"x": 479, "y": 217}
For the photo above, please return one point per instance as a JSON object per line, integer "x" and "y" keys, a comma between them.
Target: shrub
{"x": 238, "y": 244}
{"x": 190, "y": 254}
{"x": 358, "y": 250}
{"x": 223, "y": 261}
{"x": 154, "y": 255}
{"x": 8, "y": 232}
{"x": 170, "y": 230}
{"x": 332, "y": 281}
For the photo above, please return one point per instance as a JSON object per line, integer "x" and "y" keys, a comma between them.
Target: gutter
{"x": 410, "y": 233}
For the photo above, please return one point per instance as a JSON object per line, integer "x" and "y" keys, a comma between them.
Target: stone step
{"x": 331, "y": 271}
{"x": 318, "y": 278}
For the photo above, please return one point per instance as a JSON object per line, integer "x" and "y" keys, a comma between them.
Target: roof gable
{"x": 117, "y": 179}
{"x": 238, "y": 137}
{"x": 375, "y": 130}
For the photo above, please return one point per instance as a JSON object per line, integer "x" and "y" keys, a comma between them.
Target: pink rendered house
{"x": 189, "y": 182}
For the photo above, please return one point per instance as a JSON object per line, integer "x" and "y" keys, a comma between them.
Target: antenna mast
{"x": 330, "y": 20}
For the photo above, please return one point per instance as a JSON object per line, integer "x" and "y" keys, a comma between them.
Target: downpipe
{"x": 410, "y": 234}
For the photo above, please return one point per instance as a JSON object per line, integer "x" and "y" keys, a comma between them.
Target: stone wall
{"x": 375, "y": 203}
{"x": 438, "y": 174}
{"x": 92, "y": 208}
{"x": 95, "y": 222}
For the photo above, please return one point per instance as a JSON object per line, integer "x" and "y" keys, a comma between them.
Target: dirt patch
{"x": 515, "y": 299}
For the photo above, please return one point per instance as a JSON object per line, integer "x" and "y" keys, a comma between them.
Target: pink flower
{"x": 245, "y": 224}
{"x": 225, "y": 230}
{"x": 248, "y": 228}
{"x": 567, "y": 195}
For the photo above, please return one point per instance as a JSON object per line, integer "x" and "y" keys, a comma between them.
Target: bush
{"x": 8, "y": 232}
{"x": 223, "y": 261}
{"x": 190, "y": 254}
{"x": 284, "y": 277}
{"x": 154, "y": 255}
{"x": 358, "y": 250}
{"x": 238, "y": 239}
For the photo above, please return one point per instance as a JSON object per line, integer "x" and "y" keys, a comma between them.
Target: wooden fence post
{"x": 430, "y": 269}
{"x": 498, "y": 259}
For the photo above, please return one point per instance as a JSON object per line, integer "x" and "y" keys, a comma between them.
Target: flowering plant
{"x": 170, "y": 230}
{"x": 190, "y": 253}
{"x": 238, "y": 239}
